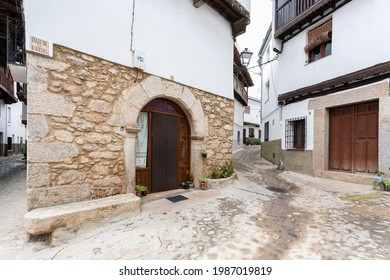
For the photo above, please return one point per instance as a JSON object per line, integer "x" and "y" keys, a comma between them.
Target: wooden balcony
{"x": 240, "y": 92}
{"x": 7, "y": 88}
{"x": 292, "y": 16}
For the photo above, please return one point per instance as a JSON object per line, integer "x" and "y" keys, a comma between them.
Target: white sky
{"x": 261, "y": 16}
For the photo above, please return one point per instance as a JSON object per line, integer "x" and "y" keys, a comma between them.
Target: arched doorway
{"x": 162, "y": 146}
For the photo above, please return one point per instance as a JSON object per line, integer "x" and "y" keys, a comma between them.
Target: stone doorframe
{"x": 133, "y": 100}
{"x": 376, "y": 91}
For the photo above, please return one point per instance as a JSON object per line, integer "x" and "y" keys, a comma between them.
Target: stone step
{"x": 45, "y": 220}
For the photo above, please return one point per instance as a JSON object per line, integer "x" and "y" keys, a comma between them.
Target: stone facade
{"x": 82, "y": 118}
{"x": 320, "y": 106}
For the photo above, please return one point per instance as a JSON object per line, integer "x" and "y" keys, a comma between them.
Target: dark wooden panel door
{"x": 164, "y": 152}
{"x": 366, "y": 137}
{"x": 354, "y": 138}
{"x": 341, "y": 139}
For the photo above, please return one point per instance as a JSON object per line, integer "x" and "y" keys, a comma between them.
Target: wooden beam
{"x": 198, "y": 3}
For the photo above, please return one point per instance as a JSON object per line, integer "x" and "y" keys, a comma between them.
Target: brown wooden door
{"x": 165, "y": 152}
{"x": 169, "y": 146}
{"x": 354, "y": 138}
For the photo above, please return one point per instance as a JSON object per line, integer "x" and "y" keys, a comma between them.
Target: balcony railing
{"x": 240, "y": 90}
{"x": 16, "y": 49}
{"x": 287, "y": 10}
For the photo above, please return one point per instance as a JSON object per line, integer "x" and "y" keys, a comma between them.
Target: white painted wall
{"x": 16, "y": 127}
{"x": 359, "y": 41}
{"x": 193, "y": 46}
{"x": 270, "y": 110}
{"x": 238, "y": 124}
{"x": 275, "y": 125}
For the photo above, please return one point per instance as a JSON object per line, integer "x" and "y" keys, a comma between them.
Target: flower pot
{"x": 203, "y": 186}
{"x": 204, "y": 155}
{"x": 138, "y": 193}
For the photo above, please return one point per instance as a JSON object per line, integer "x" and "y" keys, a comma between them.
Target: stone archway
{"x": 135, "y": 98}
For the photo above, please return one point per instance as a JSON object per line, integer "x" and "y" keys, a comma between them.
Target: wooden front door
{"x": 354, "y": 138}
{"x": 168, "y": 153}
{"x": 165, "y": 129}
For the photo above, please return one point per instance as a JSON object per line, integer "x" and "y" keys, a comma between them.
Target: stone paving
{"x": 264, "y": 214}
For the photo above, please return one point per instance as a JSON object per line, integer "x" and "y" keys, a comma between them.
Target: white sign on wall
{"x": 39, "y": 46}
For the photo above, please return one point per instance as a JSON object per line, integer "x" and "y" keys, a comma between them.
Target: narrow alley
{"x": 264, "y": 214}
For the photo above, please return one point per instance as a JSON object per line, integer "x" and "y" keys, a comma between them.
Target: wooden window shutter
{"x": 319, "y": 35}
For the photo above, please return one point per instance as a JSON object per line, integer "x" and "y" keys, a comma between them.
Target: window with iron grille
{"x": 296, "y": 133}
{"x": 251, "y": 133}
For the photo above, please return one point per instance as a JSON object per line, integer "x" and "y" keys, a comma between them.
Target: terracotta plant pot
{"x": 203, "y": 186}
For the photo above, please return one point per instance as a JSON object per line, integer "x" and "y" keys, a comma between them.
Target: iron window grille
{"x": 295, "y": 134}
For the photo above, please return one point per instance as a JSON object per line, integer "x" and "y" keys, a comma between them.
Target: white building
{"x": 12, "y": 130}
{"x": 252, "y": 131}
{"x": 333, "y": 86}
{"x": 271, "y": 113}
{"x": 127, "y": 93}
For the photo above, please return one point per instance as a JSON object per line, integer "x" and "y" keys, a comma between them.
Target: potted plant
{"x": 204, "y": 153}
{"x": 386, "y": 185}
{"x": 140, "y": 190}
{"x": 189, "y": 183}
{"x": 203, "y": 183}
{"x": 378, "y": 180}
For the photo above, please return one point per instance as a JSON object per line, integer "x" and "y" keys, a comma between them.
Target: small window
{"x": 296, "y": 133}
{"x": 247, "y": 109}
{"x": 238, "y": 137}
{"x": 319, "y": 42}
{"x": 266, "y": 131}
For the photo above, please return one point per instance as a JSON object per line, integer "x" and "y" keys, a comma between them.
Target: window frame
{"x": 322, "y": 52}
{"x": 319, "y": 38}
{"x": 266, "y": 131}
{"x": 296, "y": 133}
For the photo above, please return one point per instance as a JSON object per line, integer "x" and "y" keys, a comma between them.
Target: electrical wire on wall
{"x": 132, "y": 37}
{"x": 132, "y": 28}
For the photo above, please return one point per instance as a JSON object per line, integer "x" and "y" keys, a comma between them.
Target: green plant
{"x": 190, "y": 177}
{"x": 203, "y": 180}
{"x": 222, "y": 171}
{"x": 253, "y": 141}
{"x": 204, "y": 152}
{"x": 379, "y": 173}
{"x": 140, "y": 188}
{"x": 386, "y": 185}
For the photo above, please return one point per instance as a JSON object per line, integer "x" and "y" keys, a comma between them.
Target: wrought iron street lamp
{"x": 245, "y": 57}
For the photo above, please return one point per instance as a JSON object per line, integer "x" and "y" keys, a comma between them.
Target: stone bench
{"x": 45, "y": 220}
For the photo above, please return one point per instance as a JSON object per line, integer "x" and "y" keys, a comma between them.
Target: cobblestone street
{"x": 264, "y": 214}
